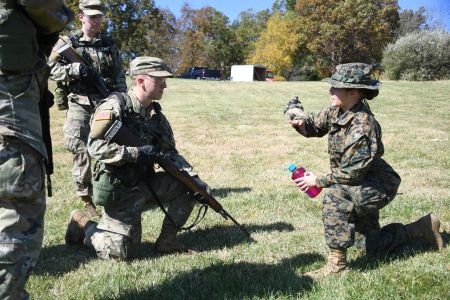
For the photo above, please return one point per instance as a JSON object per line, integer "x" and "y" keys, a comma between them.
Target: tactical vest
{"x": 18, "y": 40}
{"x": 110, "y": 181}
{"x": 102, "y": 60}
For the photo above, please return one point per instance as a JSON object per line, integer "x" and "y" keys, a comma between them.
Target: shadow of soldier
{"x": 213, "y": 238}
{"x": 59, "y": 259}
{"x": 235, "y": 281}
{"x": 371, "y": 262}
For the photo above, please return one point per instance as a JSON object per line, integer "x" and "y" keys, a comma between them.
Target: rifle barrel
{"x": 226, "y": 215}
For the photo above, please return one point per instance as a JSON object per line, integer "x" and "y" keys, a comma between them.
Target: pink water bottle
{"x": 298, "y": 172}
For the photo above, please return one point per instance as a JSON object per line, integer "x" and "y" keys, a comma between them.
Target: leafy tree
{"x": 421, "y": 55}
{"x": 412, "y": 21}
{"x": 247, "y": 28}
{"x": 207, "y": 39}
{"x": 277, "y": 47}
{"x": 346, "y": 30}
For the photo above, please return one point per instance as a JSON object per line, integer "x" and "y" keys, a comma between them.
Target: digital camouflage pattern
{"x": 92, "y": 7}
{"x": 360, "y": 181}
{"x": 103, "y": 55}
{"x": 119, "y": 228}
{"x": 23, "y": 73}
{"x": 353, "y": 75}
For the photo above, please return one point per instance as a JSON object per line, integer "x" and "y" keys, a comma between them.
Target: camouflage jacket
{"x": 102, "y": 54}
{"x": 149, "y": 125}
{"x": 354, "y": 145}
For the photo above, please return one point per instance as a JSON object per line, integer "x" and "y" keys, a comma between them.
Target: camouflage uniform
{"x": 360, "y": 181}
{"x": 102, "y": 54}
{"x": 23, "y": 73}
{"x": 118, "y": 231}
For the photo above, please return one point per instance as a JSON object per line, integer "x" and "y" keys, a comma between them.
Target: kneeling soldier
{"x": 125, "y": 181}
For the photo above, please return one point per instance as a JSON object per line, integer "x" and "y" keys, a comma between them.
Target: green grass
{"x": 236, "y": 137}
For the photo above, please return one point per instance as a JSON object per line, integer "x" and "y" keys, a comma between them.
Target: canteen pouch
{"x": 105, "y": 186}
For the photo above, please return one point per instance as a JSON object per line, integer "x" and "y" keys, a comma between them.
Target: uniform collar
{"x": 347, "y": 116}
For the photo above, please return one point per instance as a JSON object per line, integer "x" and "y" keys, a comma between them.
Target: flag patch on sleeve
{"x": 103, "y": 115}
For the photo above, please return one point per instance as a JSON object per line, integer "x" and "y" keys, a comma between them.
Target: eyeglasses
{"x": 95, "y": 18}
{"x": 157, "y": 80}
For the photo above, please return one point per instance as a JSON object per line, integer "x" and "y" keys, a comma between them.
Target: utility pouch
{"x": 61, "y": 99}
{"x": 106, "y": 186}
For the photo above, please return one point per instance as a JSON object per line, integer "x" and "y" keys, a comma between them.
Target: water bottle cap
{"x": 292, "y": 167}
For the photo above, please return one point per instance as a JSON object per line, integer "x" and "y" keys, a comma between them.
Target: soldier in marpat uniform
{"x": 101, "y": 55}
{"x": 28, "y": 31}
{"x": 125, "y": 181}
{"x": 360, "y": 182}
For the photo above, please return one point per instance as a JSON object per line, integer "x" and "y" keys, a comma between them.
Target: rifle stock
{"x": 121, "y": 135}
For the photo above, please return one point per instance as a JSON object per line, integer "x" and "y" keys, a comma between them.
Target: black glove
{"x": 147, "y": 154}
{"x": 87, "y": 73}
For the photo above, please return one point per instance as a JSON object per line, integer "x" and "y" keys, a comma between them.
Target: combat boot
{"x": 337, "y": 263}
{"x": 89, "y": 207}
{"x": 76, "y": 226}
{"x": 167, "y": 242}
{"x": 426, "y": 228}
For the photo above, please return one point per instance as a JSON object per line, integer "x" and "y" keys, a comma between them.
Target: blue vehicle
{"x": 201, "y": 73}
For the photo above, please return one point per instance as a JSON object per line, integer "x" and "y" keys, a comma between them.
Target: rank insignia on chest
{"x": 103, "y": 115}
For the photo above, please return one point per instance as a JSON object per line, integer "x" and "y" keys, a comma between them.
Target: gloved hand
{"x": 294, "y": 110}
{"x": 87, "y": 73}
{"x": 147, "y": 154}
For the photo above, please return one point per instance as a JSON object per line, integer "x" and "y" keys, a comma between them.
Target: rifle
{"x": 64, "y": 49}
{"x": 121, "y": 135}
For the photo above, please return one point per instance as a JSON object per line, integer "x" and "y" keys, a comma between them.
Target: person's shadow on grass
{"x": 235, "y": 281}
{"x": 216, "y": 237}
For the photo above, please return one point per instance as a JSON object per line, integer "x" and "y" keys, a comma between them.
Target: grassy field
{"x": 236, "y": 137}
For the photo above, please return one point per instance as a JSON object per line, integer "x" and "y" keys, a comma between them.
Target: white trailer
{"x": 248, "y": 73}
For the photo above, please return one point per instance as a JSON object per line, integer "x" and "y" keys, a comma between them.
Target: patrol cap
{"x": 92, "y": 7}
{"x": 354, "y": 76}
{"x": 153, "y": 66}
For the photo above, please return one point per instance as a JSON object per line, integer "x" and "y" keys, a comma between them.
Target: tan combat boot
{"x": 89, "y": 207}
{"x": 337, "y": 263}
{"x": 167, "y": 242}
{"x": 78, "y": 222}
{"x": 426, "y": 228}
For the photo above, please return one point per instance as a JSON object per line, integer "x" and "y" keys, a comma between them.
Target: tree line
{"x": 297, "y": 39}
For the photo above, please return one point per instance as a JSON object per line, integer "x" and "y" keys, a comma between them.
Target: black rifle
{"x": 121, "y": 135}
{"x": 65, "y": 50}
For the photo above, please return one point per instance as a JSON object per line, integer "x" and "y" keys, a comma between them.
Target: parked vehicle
{"x": 201, "y": 73}
{"x": 270, "y": 76}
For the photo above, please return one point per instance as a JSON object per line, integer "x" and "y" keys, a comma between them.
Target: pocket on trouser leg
{"x": 336, "y": 213}
{"x": 110, "y": 245}
{"x": 21, "y": 172}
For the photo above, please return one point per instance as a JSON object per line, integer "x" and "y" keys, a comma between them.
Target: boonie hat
{"x": 92, "y": 7}
{"x": 354, "y": 76}
{"x": 153, "y": 66}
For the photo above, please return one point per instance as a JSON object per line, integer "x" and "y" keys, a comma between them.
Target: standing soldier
{"x": 101, "y": 56}
{"x": 28, "y": 30}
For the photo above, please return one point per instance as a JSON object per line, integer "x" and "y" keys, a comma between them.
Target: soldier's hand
{"x": 294, "y": 109}
{"x": 298, "y": 125}
{"x": 87, "y": 73}
{"x": 147, "y": 154}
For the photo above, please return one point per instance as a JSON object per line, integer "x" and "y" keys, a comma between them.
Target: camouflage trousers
{"x": 22, "y": 208}
{"x": 352, "y": 212}
{"x": 118, "y": 233}
{"x": 76, "y": 133}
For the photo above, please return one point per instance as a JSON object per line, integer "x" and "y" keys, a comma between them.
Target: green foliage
{"x": 343, "y": 31}
{"x": 278, "y": 44}
{"x": 412, "y": 21}
{"x": 421, "y": 55}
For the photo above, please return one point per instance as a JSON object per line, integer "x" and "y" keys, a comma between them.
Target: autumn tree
{"x": 342, "y": 31}
{"x": 412, "y": 21}
{"x": 278, "y": 44}
{"x": 206, "y": 40}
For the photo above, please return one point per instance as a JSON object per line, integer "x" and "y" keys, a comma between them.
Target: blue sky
{"x": 231, "y": 8}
